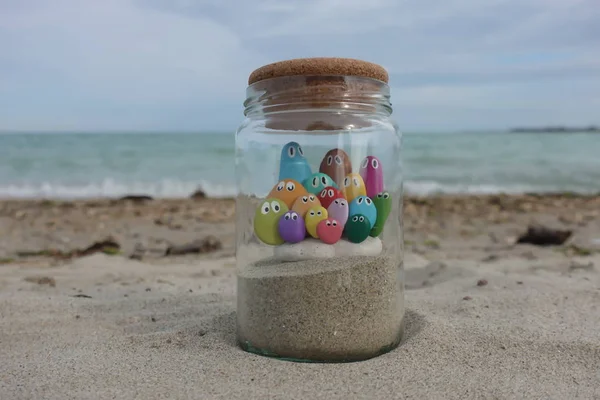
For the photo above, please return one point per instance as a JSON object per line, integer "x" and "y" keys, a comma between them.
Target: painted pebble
{"x": 357, "y": 228}
{"x": 337, "y": 165}
{"x": 383, "y": 204}
{"x": 293, "y": 165}
{"x": 313, "y": 217}
{"x": 329, "y": 230}
{"x": 328, "y": 195}
{"x": 364, "y": 206}
{"x": 288, "y": 190}
{"x": 291, "y": 227}
{"x": 354, "y": 186}
{"x": 266, "y": 221}
{"x": 317, "y": 182}
{"x": 371, "y": 171}
{"x": 338, "y": 210}
{"x": 304, "y": 203}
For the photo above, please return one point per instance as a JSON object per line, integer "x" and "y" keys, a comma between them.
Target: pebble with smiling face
{"x": 383, "y": 204}
{"x": 291, "y": 227}
{"x": 329, "y": 231}
{"x": 328, "y": 195}
{"x": 357, "y": 228}
{"x": 266, "y": 221}
{"x": 337, "y": 165}
{"x": 317, "y": 182}
{"x": 288, "y": 190}
{"x": 293, "y": 165}
{"x": 371, "y": 171}
{"x": 354, "y": 186}
{"x": 364, "y": 206}
{"x": 313, "y": 217}
{"x": 338, "y": 210}
{"x": 304, "y": 203}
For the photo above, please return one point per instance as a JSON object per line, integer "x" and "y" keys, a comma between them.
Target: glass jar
{"x": 319, "y": 213}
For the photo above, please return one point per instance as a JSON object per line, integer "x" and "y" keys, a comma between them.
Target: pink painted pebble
{"x": 371, "y": 171}
{"x": 338, "y": 210}
{"x": 330, "y": 230}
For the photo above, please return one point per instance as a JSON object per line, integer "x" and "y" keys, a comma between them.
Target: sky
{"x": 182, "y": 65}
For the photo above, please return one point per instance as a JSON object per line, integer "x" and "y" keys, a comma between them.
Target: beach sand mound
{"x": 112, "y": 327}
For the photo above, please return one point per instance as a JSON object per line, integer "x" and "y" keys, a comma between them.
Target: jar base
{"x": 330, "y": 359}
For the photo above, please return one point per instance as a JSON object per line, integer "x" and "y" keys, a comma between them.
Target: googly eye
{"x": 324, "y": 180}
{"x": 305, "y": 199}
{"x": 360, "y": 200}
{"x": 329, "y": 160}
{"x": 338, "y": 160}
{"x": 315, "y": 181}
{"x": 368, "y": 201}
{"x": 291, "y": 151}
{"x": 275, "y": 206}
{"x": 343, "y": 203}
{"x": 290, "y": 186}
{"x": 294, "y": 216}
{"x": 336, "y": 201}
{"x": 287, "y": 216}
{"x": 324, "y": 193}
{"x": 355, "y": 219}
{"x": 334, "y": 223}
{"x": 311, "y": 198}
{"x": 300, "y": 151}
{"x": 319, "y": 213}
{"x": 356, "y": 182}
{"x": 386, "y": 195}
{"x": 365, "y": 163}
{"x": 379, "y": 195}
{"x": 375, "y": 163}
{"x": 347, "y": 182}
{"x": 280, "y": 186}
{"x": 361, "y": 219}
{"x": 312, "y": 213}
{"x": 328, "y": 223}
{"x": 330, "y": 193}
{"x": 265, "y": 208}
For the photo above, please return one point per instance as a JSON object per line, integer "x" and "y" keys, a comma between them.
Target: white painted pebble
{"x": 372, "y": 246}
{"x": 308, "y": 249}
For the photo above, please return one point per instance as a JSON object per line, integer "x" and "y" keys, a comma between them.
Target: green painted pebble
{"x": 266, "y": 220}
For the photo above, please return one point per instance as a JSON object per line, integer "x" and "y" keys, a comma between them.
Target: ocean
{"x": 87, "y": 165}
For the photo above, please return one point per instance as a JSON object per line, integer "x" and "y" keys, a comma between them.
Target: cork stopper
{"x": 322, "y": 66}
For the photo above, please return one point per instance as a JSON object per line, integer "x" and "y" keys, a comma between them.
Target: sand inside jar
{"x": 339, "y": 309}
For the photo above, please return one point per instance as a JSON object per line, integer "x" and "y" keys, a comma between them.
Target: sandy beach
{"x": 96, "y": 302}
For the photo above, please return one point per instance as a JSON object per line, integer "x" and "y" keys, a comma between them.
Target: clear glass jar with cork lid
{"x": 319, "y": 213}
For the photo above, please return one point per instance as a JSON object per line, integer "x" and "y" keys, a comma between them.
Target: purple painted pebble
{"x": 291, "y": 227}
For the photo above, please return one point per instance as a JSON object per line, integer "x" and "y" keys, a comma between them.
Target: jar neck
{"x": 337, "y": 94}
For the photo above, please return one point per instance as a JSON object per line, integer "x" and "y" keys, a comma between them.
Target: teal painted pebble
{"x": 266, "y": 220}
{"x": 364, "y": 206}
{"x": 317, "y": 182}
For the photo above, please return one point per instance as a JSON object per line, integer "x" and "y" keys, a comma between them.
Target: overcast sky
{"x": 183, "y": 64}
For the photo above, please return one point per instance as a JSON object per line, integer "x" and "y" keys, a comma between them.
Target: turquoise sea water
{"x": 174, "y": 165}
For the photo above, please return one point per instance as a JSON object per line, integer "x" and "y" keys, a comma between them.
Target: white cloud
{"x": 156, "y": 64}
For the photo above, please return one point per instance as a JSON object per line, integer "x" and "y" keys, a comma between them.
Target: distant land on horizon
{"x": 555, "y": 129}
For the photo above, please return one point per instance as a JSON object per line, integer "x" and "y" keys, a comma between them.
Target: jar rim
{"x": 319, "y": 66}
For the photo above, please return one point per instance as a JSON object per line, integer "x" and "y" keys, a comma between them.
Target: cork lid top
{"x": 321, "y": 66}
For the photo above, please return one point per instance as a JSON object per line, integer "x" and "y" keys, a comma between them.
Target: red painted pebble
{"x": 328, "y": 195}
{"x": 329, "y": 230}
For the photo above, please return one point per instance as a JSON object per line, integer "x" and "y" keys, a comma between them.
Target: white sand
{"x": 535, "y": 339}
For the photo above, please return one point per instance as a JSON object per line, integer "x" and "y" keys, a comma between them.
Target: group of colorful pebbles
{"x": 326, "y": 205}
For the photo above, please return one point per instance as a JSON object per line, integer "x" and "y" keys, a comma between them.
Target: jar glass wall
{"x": 319, "y": 220}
